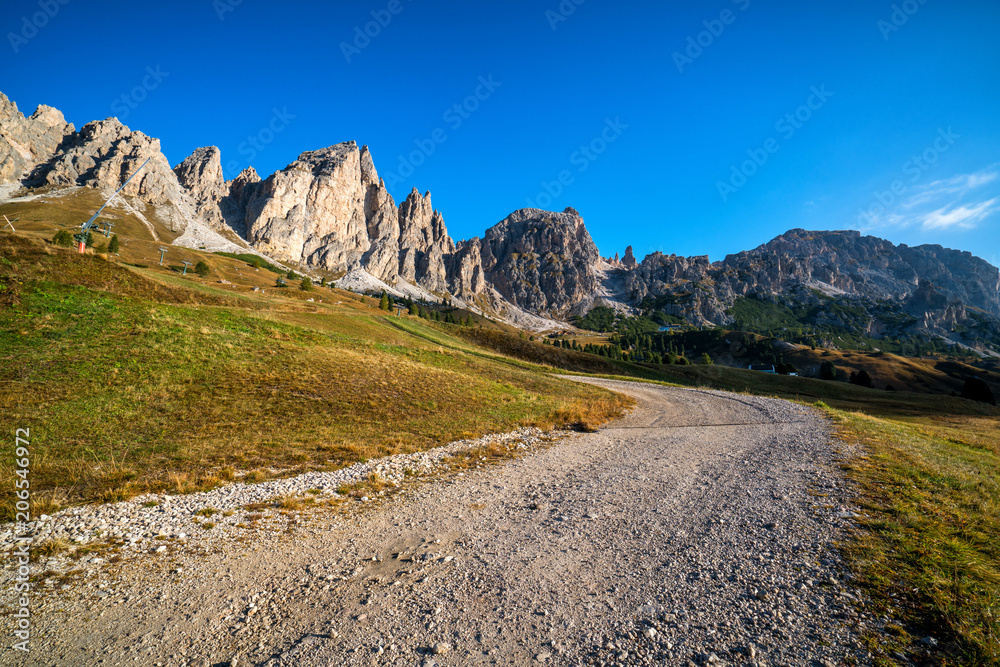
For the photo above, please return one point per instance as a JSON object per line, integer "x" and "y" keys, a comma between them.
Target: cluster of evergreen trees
{"x": 604, "y": 319}
{"x": 388, "y": 303}
{"x": 829, "y": 371}
{"x": 641, "y": 350}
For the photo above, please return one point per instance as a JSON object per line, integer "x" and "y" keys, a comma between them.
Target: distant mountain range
{"x": 329, "y": 211}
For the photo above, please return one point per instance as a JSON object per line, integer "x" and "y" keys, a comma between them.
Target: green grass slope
{"x": 135, "y": 380}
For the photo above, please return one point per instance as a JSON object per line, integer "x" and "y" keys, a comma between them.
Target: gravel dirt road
{"x": 698, "y": 529}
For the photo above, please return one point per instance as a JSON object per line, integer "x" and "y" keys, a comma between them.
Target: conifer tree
{"x": 63, "y": 238}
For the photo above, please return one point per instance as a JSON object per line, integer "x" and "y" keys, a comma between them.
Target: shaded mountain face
{"x": 329, "y": 209}
{"x": 26, "y": 142}
{"x": 542, "y": 261}
{"x": 201, "y": 175}
{"x": 103, "y": 154}
{"x": 925, "y": 278}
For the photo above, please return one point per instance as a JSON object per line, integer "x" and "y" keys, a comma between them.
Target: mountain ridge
{"x": 329, "y": 210}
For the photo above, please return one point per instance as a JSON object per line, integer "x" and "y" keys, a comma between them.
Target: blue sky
{"x": 702, "y": 128}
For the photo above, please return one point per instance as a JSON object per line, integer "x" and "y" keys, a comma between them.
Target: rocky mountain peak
{"x": 49, "y": 117}
{"x": 25, "y": 142}
{"x": 103, "y": 154}
{"x": 628, "y": 261}
{"x": 312, "y": 211}
{"x": 247, "y": 176}
{"x": 420, "y": 225}
{"x": 201, "y": 174}
{"x": 542, "y": 261}
{"x": 369, "y": 176}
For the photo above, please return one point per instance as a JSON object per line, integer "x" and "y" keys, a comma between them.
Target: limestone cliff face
{"x": 103, "y": 154}
{"x": 466, "y": 275}
{"x": 237, "y": 194}
{"x": 381, "y": 259}
{"x": 541, "y": 261}
{"x": 330, "y": 209}
{"x": 312, "y": 212}
{"x": 26, "y": 142}
{"x": 424, "y": 243}
{"x": 201, "y": 175}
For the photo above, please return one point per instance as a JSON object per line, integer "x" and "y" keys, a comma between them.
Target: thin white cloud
{"x": 951, "y": 188}
{"x": 961, "y": 217}
{"x": 961, "y": 202}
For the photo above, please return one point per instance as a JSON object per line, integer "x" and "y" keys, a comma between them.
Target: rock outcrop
{"x": 329, "y": 209}
{"x": 628, "y": 261}
{"x": 103, "y": 154}
{"x": 424, "y": 243}
{"x": 931, "y": 283}
{"x": 381, "y": 259}
{"x": 313, "y": 211}
{"x": 466, "y": 274}
{"x": 201, "y": 175}
{"x": 26, "y": 142}
{"x": 541, "y": 261}
{"x": 238, "y": 193}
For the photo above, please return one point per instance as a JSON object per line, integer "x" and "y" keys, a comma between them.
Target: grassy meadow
{"x": 929, "y": 540}
{"x": 135, "y": 380}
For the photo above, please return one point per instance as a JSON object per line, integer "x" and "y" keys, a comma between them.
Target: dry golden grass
{"x": 131, "y": 386}
{"x": 925, "y": 375}
{"x": 929, "y": 545}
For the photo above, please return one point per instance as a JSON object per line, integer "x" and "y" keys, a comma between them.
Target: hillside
{"x": 139, "y": 378}
{"x": 329, "y": 213}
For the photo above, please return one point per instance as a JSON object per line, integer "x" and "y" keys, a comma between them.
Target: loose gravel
{"x": 700, "y": 529}
{"x": 154, "y": 523}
